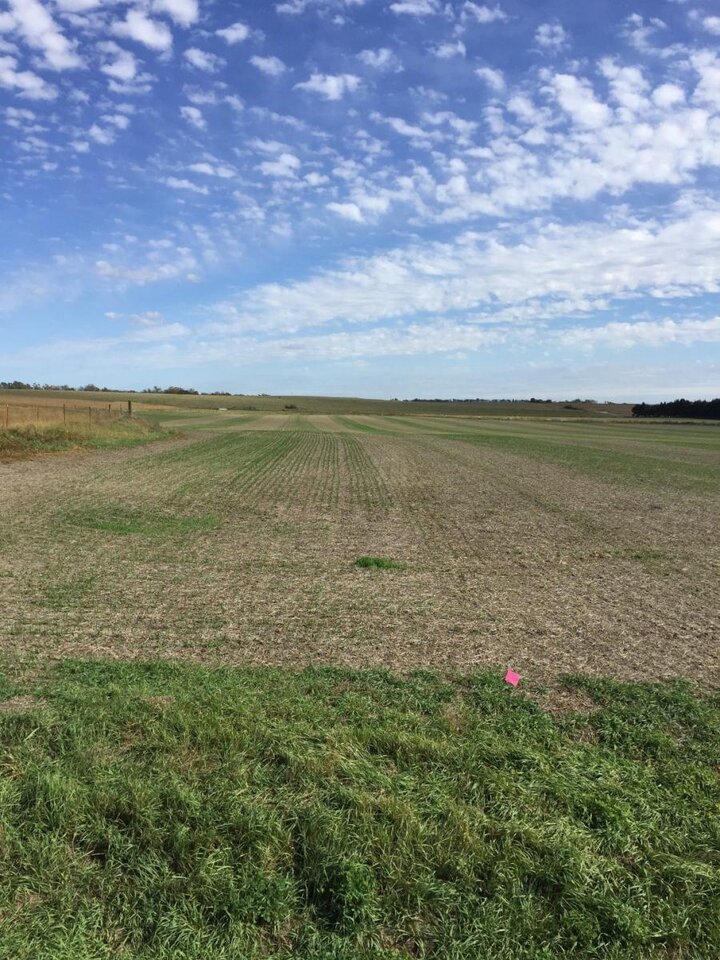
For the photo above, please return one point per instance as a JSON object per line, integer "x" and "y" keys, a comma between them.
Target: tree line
{"x": 92, "y": 388}
{"x": 696, "y": 409}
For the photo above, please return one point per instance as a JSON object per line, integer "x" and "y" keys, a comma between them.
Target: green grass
{"x": 67, "y": 593}
{"x": 615, "y": 466}
{"x": 164, "y": 811}
{"x": 378, "y": 563}
{"x": 20, "y": 442}
{"x": 114, "y": 519}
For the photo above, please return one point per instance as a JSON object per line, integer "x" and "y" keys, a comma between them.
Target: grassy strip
{"x": 164, "y": 811}
{"x": 18, "y": 443}
{"x": 634, "y": 469}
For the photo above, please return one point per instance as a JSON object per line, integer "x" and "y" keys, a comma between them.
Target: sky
{"x": 382, "y": 198}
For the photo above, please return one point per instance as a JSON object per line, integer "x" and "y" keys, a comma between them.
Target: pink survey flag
{"x": 512, "y": 677}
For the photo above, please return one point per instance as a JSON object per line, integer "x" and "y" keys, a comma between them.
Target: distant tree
{"x": 690, "y": 409}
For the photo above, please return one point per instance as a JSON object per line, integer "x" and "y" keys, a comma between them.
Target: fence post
{"x": 64, "y": 413}
{"x": 129, "y": 409}
{"x": 7, "y": 414}
{"x": 37, "y": 415}
{"x": 90, "y": 417}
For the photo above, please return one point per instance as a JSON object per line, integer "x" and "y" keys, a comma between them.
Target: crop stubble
{"x": 509, "y": 559}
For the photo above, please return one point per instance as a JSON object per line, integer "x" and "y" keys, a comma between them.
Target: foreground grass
{"x": 161, "y": 811}
{"x": 18, "y": 443}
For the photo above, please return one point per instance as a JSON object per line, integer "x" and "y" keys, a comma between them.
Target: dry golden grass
{"x": 44, "y": 412}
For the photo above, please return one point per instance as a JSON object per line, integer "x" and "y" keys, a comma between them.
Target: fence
{"x": 75, "y": 415}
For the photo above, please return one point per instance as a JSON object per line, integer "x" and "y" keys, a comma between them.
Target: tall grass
{"x": 21, "y": 442}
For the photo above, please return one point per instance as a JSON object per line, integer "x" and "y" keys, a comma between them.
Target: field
{"x": 224, "y": 736}
{"x": 552, "y": 547}
{"x": 314, "y": 405}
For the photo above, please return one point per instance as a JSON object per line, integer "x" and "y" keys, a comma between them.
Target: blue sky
{"x": 370, "y": 197}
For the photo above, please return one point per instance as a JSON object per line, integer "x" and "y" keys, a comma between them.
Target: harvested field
{"x": 551, "y": 547}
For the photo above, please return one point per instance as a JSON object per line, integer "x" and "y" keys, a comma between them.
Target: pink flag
{"x": 512, "y": 677}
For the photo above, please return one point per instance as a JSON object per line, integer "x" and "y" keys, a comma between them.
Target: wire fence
{"x": 75, "y": 415}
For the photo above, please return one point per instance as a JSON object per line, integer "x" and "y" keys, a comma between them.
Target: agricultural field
{"x": 576, "y": 409}
{"x": 552, "y": 547}
{"x": 252, "y": 699}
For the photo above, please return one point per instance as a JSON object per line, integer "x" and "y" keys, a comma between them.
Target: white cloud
{"x": 142, "y": 83}
{"x": 297, "y": 7}
{"x": 101, "y": 135}
{"x": 416, "y": 8}
{"x": 28, "y": 85}
{"x": 272, "y": 66}
{"x": 348, "y": 211}
{"x": 382, "y": 59}
{"x": 550, "y": 271}
{"x": 712, "y": 25}
{"x": 707, "y": 66}
{"x": 576, "y": 97}
{"x": 183, "y": 12}
{"x": 493, "y": 78}
{"x": 18, "y": 116}
{"x": 628, "y": 87}
{"x": 551, "y": 37}
{"x": 77, "y": 6}
{"x": 485, "y": 14}
{"x": 292, "y": 7}
{"x": 419, "y": 136}
{"x": 202, "y": 60}
{"x": 285, "y": 166}
{"x": 123, "y": 66}
{"x": 151, "y": 33}
{"x": 118, "y": 120}
{"x": 180, "y": 184}
{"x": 668, "y": 95}
{"x": 235, "y": 33}
{"x": 150, "y": 318}
{"x": 235, "y": 102}
{"x": 443, "y": 336}
{"x": 446, "y": 51}
{"x": 212, "y": 170}
{"x": 648, "y": 333}
{"x": 640, "y": 31}
{"x": 332, "y": 87}
{"x": 40, "y": 31}
{"x": 194, "y": 116}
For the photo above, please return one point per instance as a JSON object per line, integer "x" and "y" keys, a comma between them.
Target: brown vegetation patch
{"x": 20, "y": 704}
{"x": 564, "y": 701}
